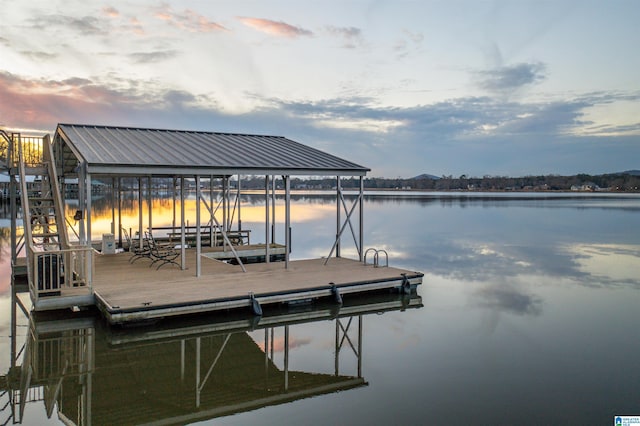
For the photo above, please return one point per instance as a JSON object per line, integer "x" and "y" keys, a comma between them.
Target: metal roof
{"x": 139, "y": 151}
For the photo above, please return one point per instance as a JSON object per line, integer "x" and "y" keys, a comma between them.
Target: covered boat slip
{"x": 133, "y": 292}
{"x": 197, "y": 164}
{"x": 86, "y": 153}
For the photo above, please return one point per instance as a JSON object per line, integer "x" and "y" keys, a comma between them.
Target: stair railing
{"x": 49, "y": 270}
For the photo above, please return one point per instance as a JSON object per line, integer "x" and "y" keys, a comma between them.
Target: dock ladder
{"x": 376, "y": 257}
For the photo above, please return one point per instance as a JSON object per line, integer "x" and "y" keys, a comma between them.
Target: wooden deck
{"x": 133, "y": 292}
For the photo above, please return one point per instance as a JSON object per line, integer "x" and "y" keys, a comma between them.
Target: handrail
{"x": 47, "y": 151}
{"x": 51, "y": 270}
{"x": 367, "y": 252}
{"x": 9, "y": 149}
{"x": 376, "y": 257}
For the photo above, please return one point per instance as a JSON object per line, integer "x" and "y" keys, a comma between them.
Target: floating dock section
{"x": 134, "y": 292}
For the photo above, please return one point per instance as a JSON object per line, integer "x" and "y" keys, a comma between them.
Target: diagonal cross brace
{"x": 224, "y": 235}
{"x": 344, "y": 225}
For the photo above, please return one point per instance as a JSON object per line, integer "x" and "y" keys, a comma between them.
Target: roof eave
{"x": 138, "y": 170}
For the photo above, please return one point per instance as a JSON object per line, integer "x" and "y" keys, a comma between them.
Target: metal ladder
{"x": 376, "y": 257}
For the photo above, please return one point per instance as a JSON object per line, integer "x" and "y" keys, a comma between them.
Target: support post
{"x": 212, "y": 242}
{"x": 197, "y": 371}
{"x": 273, "y": 210}
{"x": 81, "y": 204}
{"x": 287, "y": 219}
{"x": 149, "y": 206}
{"x": 338, "y": 195}
{"x": 286, "y": 358}
{"x": 337, "y": 349}
{"x": 182, "y": 355}
{"x": 198, "y": 231}
{"x": 224, "y": 204}
{"x": 113, "y": 206}
{"x": 183, "y": 249}
{"x": 266, "y": 219}
{"x": 119, "y": 197}
{"x": 140, "y": 225}
{"x": 359, "y": 346}
{"x": 174, "y": 196}
{"x": 361, "y": 237}
{"x": 88, "y": 218}
{"x": 239, "y": 204}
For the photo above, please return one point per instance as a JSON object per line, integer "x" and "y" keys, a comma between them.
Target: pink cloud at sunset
{"x": 42, "y": 103}
{"x": 188, "y": 20}
{"x": 275, "y": 28}
{"x": 111, "y": 12}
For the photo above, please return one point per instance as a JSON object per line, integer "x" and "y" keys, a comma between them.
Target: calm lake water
{"x": 528, "y": 314}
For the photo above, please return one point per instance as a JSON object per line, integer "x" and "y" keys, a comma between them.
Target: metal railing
{"x": 6, "y": 145}
{"x": 13, "y": 146}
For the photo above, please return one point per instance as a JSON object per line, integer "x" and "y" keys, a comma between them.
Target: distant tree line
{"x": 619, "y": 182}
{"x": 582, "y": 182}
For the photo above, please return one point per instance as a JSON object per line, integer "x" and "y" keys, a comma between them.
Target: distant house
{"x": 586, "y": 187}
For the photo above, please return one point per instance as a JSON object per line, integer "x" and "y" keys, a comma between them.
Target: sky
{"x": 452, "y": 87}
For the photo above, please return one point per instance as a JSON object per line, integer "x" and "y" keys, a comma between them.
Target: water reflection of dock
{"x": 185, "y": 370}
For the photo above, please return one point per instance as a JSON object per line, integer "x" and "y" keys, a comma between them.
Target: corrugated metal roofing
{"x": 117, "y": 150}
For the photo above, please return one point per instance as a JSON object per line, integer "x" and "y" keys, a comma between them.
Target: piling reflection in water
{"x": 85, "y": 372}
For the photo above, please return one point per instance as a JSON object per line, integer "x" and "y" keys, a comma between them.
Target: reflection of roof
{"x": 134, "y": 151}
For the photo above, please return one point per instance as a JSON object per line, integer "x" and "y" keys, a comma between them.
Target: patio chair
{"x": 163, "y": 253}
{"x": 137, "y": 251}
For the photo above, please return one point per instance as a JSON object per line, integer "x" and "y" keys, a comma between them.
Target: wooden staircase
{"x": 59, "y": 274}
{"x": 44, "y": 223}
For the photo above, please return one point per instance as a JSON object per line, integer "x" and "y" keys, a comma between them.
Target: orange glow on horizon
{"x": 162, "y": 215}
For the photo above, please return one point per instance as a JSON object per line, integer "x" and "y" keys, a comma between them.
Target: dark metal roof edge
{"x": 101, "y": 169}
{"x": 150, "y": 129}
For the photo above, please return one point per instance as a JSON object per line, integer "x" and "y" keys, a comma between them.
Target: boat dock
{"x": 214, "y": 266}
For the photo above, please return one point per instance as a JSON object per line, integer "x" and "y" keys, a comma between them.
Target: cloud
{"x": 410, "y": 42}
{"x": 85, "y": 26}
{"x": 188, "y": 20}
{"x": 462, "y": 119}
{"x": 135, "y": 26}
{"x": 474, "y": 135}
{"x": 39, "y": 56}
{"x": 506, "y": 299}
{"x": 42, "y": 103}
{"x": 511, "y": 78}
{"x": 275, "y": 28}
{"x": 351, "y": 36}
{"x": 5, "y": 41}
{"x": 152, "y": 57}
{"x": 127, "y": 24}
{"x": 111, "y": 12}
